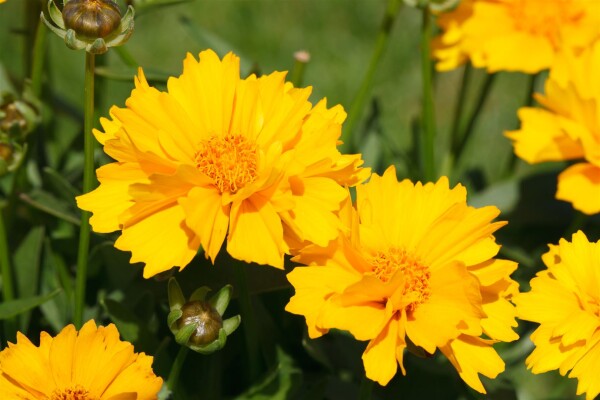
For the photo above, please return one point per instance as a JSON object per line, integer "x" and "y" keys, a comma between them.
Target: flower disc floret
{"x": 230, "y": 161}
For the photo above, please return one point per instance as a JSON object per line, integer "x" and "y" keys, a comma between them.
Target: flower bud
{"x": 11, "y": 118}
{"x": 93, "y": 25}
{"x": 11, "y": 155}
{"x": 207, "y": 319}
{"x": 198, "y": 323}
{"x": 92, "y": 18}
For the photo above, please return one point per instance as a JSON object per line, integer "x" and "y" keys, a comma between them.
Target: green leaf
{"x": 131, "y": 328}
{"x": 13, "y": 308}
{"x": 49, "y": 204}
{"x": 62, "y": 186}
{"x": 176, "y": 299}
{"x": 27, "y": 267}
{"x": 280, "y": 383}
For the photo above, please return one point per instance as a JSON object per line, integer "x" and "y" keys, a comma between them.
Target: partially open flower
{"x": 198, "y": 322}
{"x": 93, "y": 25}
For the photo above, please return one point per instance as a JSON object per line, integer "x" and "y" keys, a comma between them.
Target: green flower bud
{"x": 93, "y": 25}
{"x": 11, "y": 155}
{"x": 198, "y": 322}
{"x": 18, "y": 118}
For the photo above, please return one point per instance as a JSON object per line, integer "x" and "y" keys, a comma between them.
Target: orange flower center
{"x": 76, "y": 392}
{"x": 230, "y": 161}
{"x": 545, "y": 18}
{"x": 416, "y": 275}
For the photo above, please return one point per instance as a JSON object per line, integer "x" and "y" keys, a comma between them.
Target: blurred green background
{"x": 340, "y": 37}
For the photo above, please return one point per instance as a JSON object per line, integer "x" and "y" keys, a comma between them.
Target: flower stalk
{"x": 8, "y": 293}
{"x": 88, "y": 183}
{"x": 358, "y": 104}
{"x": 427, "y": 143}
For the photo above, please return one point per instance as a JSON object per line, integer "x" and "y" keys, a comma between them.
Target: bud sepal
{"x": 197, "y": 323}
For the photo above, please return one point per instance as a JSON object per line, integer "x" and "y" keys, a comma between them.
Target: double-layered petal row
{"x": 415, "y": 264}
{"x": 514, "y": 35}
{"x": 217, "y": 158}
{"x": 567, "y": 128}
{"x": 565, "y": 301}
{"x": 90, "y": 364}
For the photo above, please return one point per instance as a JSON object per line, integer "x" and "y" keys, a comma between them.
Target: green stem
{"x": 458, "y": 109}
{"x": 362, "y": 95}
{"x": 249, "y": 322}
{"x": 529, "y": 100}
{"x": 8, "y": 293}
{"x": 481, "y": 99}
{"x": 366, "y": 388}
{"x": 176, "y": 367}
{"x": 88, "y": 182}
{"x": 37, "y": 67}
{"x": 578, "y": 222}
{"x": 427, "y": 147}
{"x": 301, "y": 58}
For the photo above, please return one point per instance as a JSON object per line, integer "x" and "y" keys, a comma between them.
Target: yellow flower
{"x": 565, "y": 301}
{"x": 568, "y": 129}
{"x": 415, "y": 265}
{"x": 514, "y": 35}
{"x": 92, "y": 364}
{"x": 217, "y": 156}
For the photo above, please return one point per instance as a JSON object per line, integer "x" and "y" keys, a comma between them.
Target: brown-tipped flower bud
{"x": 93, "y": 25}
{"x": 207, "y": 319}
{"x": 198, "y": 322}
{"x": 6, "y": 151}
{"x": 92, "y": 18}
{"x": 10, "y": 116}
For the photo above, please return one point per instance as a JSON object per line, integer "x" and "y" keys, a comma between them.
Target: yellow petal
{"x": 472, "y": 356}
{"x": 453, "y": 308}
{"x": 112, "y": 198}
{"x": 255, "y": 233}
{"x": 207, "y": 217}
{"x": 379, "y": 358}
{"x": 313, "y": 286}
{"x": 542, "y": 139}
{"x": 161, "y": 240}
{"x": 580, "y": 185}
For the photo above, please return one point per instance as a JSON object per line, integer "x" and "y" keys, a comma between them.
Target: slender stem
{"x": 483, "y": 95}
{"x": 578, "y": 222}
{"x": 529, "y": 100}
{"x": 427, "y": 145}
{"x": 39, "y": 50}
{"x": 88, "y": 182}
{"x": 458, "y": 109}
{"x": 356, "y": 108}
{"x": 176, "y": 367}
{"x": 301, "y": 58}
{"x": 366, "y": 388}
{"x": 249, "y": 323}
{"x": 8, "y": 293}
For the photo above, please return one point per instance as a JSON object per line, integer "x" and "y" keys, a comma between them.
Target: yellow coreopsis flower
{"x": 217, "y": 156}
{"x": 565, "y": 301}
{"x": 514, "y": 35}
{"x": 568, "y": 128}
{"x": 417, "y": 264}
{"x": 90, "y": 364}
